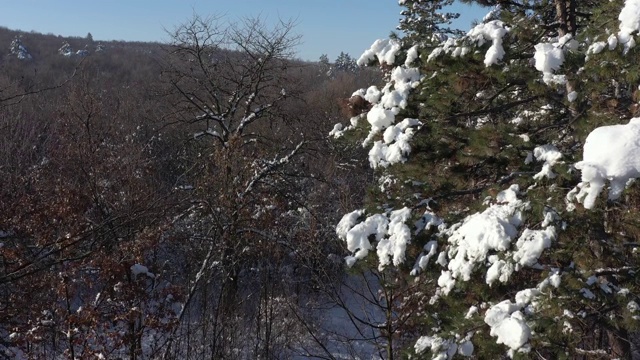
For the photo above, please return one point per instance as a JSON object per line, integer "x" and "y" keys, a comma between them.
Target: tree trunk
{"x": 619, "y": 343}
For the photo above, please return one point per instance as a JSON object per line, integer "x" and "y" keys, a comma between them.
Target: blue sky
{"x": 326, "y": 26}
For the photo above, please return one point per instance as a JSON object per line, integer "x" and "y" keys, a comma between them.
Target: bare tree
{"x": 230, "y": 88}
{"x": 229, "y": 76}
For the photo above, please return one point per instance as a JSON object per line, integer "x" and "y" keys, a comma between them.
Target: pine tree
{"x": 424, "y": 17}
{"x": 344, "y": 62}
{"x": 65, "y": 49}
{"x": 325, "y": 65}
{"x": 19, "y": 50}
{"x": 485, "y": 203}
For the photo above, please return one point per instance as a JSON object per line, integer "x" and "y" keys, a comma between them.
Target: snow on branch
{"x": 549, "y": 58}
{"x": 254, "y": 115}
{"x": 385, "y": 106}
{"x": 383, "y": 50}
{"x": 493, "y": 30}
{"x": 209, "y": 132}
{"x": 390, "y": 230}
{"x": 269, "y": 168}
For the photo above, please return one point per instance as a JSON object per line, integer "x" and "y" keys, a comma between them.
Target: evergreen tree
{"x": 65, "y": 49}
{"x": 484, "y": 201}
{"x": 425, "y": 17}
{"x": 19, "y": 50}
{"x": 344, "y": 62}
{"x": 325, "y": 65}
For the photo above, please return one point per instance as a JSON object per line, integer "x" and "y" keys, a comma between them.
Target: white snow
{"x": 499, "y": 270}
{"x": 443, "y": 349}
{"x": 137, "y": 269}
{"x": 380, "y": 118}
{"x": 391, "y": 233}
{"x": 531, "y": 244}
{"x": 493, "y": 31}
{"x": 372, "y": 94}
{"x": 508, "y": 324}
{"x": 446, "y": 282}
{"x": 384, "y": 50}
{"x": 423, "y": 260}
{"x": 555, "y": 280}
{"x": 492, "y": 230}
{"x": 357, "y": 237}
{"x": 629, "y": 23}
{"x": 428, "y": 220}
{"x": 550, "y": 155}
{"x": 347, "y": 222}
{"x": 596, "y": 47}
{"x": 610, "y": 153}
{"x": 395, "y": 245}
{"x": 412, "y": 55}
{"x": 487, "y": 238}
{"x": 472, "y": 311}
{"x": 549, "y": 58}
{"x": 337, "y": 131}
{"x": 396, "y": 145}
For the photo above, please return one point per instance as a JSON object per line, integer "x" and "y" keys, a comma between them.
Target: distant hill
{"x": 43, "y": 46}
{"x": 30, "y": 58}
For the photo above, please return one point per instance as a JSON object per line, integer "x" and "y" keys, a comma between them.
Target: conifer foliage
{"x": 493, "y": 151}
{"x": 344, "y": 62}
{"x": 422, "y": 17}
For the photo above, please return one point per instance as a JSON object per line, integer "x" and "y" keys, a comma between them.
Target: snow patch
{"x": 139, "y": 269}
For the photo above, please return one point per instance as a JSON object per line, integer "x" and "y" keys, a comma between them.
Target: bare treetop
{"x": 229, "y": 75}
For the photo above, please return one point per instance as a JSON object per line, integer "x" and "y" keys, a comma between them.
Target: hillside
{"x": 444, "y": 195}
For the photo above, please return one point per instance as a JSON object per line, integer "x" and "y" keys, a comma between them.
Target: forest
{"x": 446, "y": 194}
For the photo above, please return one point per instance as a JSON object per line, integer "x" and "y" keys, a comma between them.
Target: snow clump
{"x": 478, "y": 239}
{"x": 412, "y": 55}
{"x": 610, "y": 153}
{"x": 507, "y": 319}
{"x": 549, "y": 57}
{"x": 508, "y": 324}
